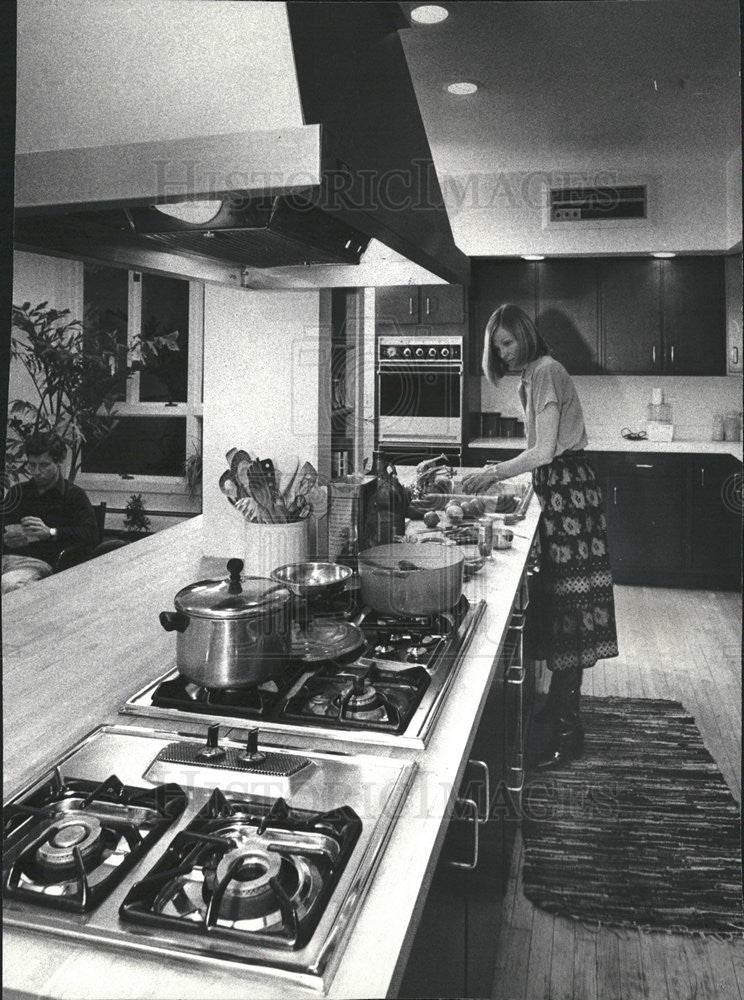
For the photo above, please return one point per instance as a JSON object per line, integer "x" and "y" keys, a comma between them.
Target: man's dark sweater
{"x": 63, "y": 506}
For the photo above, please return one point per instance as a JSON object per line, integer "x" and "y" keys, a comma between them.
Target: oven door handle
{"x": 469, "y": 865}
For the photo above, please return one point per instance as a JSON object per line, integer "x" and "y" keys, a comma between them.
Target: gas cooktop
{"x": 201, "y": 847}
{"x": 391, "y": 694}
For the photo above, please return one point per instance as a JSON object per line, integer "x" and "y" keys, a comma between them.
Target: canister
{"x": 731, "y": 427}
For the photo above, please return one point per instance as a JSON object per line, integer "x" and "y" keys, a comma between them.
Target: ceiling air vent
{"x": 581, "y": 204}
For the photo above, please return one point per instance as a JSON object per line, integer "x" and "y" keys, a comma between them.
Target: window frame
{"x": 192, "y": 409}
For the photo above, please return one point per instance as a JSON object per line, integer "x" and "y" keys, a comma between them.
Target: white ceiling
{"x": 561, "y": 81}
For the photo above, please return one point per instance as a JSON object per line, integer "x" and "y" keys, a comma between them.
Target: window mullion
{"x": 134, "y": 330}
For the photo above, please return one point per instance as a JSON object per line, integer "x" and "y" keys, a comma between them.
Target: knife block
{"x": 268, "y": 546}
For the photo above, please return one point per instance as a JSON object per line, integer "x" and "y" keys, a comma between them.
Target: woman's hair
{"x": 46, "y": 441}
{"x": 516, "y": 322}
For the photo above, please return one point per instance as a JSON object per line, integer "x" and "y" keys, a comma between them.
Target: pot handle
{"x": 235, "y": 568}
{"x": 174, "y": 621}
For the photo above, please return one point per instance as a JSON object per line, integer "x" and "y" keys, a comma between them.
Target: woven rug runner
{"x": 642, "y": 831}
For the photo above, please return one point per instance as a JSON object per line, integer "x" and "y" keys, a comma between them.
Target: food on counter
{"x": 431, "y": 519}
{"x": 474, "y": 508}
{"x": 434, "y": 475}
{"x": 454, "y": 512}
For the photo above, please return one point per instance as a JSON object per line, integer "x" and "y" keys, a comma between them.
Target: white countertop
{"x": 623, "y": 444}
{"x": 376, "y": 953}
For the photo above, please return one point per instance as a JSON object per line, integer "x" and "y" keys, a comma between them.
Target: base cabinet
{"x": 454, "y": 951}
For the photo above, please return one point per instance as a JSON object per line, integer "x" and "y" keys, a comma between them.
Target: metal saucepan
{"x": 411, "y": 579}
{"x": 312, "y": 579}
{"x": 232, "y": 633}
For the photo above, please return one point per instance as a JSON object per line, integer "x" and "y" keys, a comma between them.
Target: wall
{"x": 263, "y": 352}
{"x": 144, "y": 70}
{"x": 502, "y": 213}
{"x": 611, "y": 402}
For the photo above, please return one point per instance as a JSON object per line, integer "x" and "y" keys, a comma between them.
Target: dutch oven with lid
{"x": 232, "y": 633}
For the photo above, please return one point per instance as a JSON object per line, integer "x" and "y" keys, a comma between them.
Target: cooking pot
{"x": 411, "y": 579}
{"x": 232, "y": 633}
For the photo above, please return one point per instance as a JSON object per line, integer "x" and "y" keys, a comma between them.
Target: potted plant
{"x": 192, "y": 471}
{"x": 136, "y": 520}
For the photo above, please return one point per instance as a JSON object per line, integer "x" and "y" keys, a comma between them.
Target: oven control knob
{"x": 419, "y": 352}
{"x": 212, "y": 750}
{"x": 432, "y": 352}
{"x": 406, "y": 352}
{"x": 391, "y": 351}
{"x": 445, "y": 352}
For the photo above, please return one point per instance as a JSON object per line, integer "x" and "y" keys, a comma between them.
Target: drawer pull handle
{"x": 516, "y": 676}
{"x": 465, "y": 865}
{"x": 427, "y": 305}
{"x": 702, "y": 475}
{"x": 614, "y": 495}
{"x": 644, "y": 465}
{"x": 487, "y": 774}
{"x": 515, "y": 779}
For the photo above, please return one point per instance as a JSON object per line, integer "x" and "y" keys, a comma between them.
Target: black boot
{"x": 568, "y": 740}
{"x": 549, "y": 710}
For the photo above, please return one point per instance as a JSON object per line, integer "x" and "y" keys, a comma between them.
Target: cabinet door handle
{"x": 427, "y": 305}
{"x": 515, "y": 775}
{"x": 487, "y": 774}
{"x": 614, "y": 495}
{"x": 653, "y": 354}
{"x": 671, "y": 353}
{"x": 643, "y": 465}
{"x": 410, "y": 305}
{"x": 471, "y": 865}
{"x": 702, "y": 475}
{"x": 734, "y": 355}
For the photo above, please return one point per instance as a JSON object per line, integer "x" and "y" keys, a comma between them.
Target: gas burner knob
{"x": 432, "y": 352}
{"x": 212, "y": 749}
{"x": 419, "y": 352}
{"x": 252, "y": 754}
{"x": 406, "y": 352}
{"x": 416, "y": 653}
{"x": 391, "y": 351}
{"x": 445, "y": 352}
{"x": 428, "y": 640}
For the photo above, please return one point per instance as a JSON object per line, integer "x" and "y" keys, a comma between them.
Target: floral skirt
{"x": 573, "y": 620}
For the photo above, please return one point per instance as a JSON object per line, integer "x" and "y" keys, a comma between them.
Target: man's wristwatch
{"x": 52, "y": 532}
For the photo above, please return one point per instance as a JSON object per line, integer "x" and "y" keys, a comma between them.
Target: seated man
{"x": 43, "y": 515}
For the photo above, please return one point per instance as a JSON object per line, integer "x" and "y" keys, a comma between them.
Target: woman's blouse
{"x": 544, "y": 381}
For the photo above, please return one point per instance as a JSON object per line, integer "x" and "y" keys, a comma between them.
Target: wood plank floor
{"x": 679, "y": 644}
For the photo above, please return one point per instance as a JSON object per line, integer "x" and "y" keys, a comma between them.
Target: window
{"x": 158, "y": 405}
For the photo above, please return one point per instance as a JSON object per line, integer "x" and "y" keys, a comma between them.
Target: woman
{"x": 576, "y": 582}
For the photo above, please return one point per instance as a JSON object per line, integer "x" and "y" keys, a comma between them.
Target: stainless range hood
{"x": 359, "y": 170}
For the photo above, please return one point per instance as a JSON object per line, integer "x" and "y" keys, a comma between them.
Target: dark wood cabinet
{"x": 492, "y": 284}
{"x": 567, "y": 312}
{"x": 407, "y": 305}
{"x": 715, "y": 517}
{"x": 672, "y": 519}
{"x": 619, "y": 315}
{"x": 630, "y": 296}
{"x": 694, "y": 316}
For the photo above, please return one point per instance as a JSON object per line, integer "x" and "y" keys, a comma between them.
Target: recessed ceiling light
{"x": 462, "y": 87}
{"x": 664, "y": 253}
{"x": 429, "y": 13}
{"x": 533, "y": 256}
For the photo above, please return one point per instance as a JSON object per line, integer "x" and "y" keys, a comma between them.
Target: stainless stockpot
{"x": 232, "y": 633}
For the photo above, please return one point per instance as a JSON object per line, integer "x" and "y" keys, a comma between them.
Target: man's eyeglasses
{"x": 39, "y": 466}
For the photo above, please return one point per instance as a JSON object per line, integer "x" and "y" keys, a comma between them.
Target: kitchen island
{"x": 90, "y": 637}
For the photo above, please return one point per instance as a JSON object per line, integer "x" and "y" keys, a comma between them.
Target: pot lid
{"x": 234, "y": 597}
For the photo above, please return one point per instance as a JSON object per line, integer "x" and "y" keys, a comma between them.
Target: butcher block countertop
{"x": 77, "y": 645}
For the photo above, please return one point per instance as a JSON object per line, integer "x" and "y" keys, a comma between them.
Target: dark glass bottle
{"x": 386, "y": 507}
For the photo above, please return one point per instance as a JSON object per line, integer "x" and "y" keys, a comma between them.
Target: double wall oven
{"x": 420, "y": 386}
